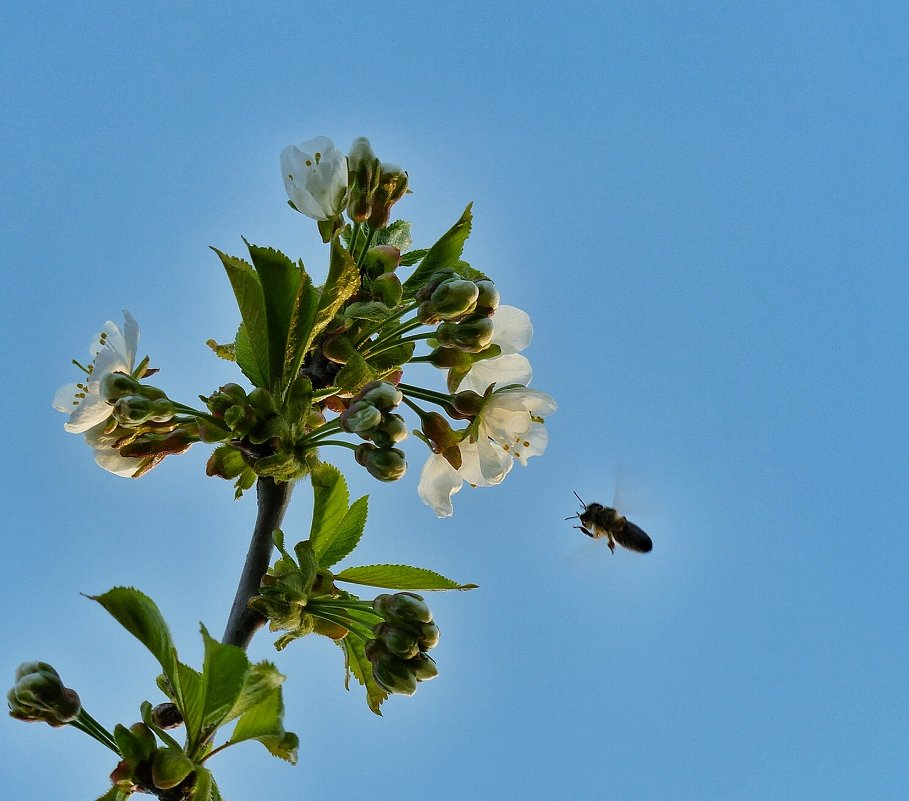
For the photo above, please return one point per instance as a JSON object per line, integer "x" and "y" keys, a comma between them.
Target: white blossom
{"x": 512, "y": 332}
{"x": 107, "y": 456}
{"x": 315, "y": 177}
{"x": 112, "y": 351}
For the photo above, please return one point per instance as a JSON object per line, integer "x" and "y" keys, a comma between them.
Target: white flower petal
{"x": 524, "y": 399}
{"x": 512, "y": 329}
{"x": 495, "y": 462}
{"x": 91, "y": 411}
{"x": 107, "y": 456}
{"x": 438, "y": 482}
{"x": 533, "y": 443}
{"x": 315, "y": 177}
{"x": 512, "y": 368}
{"x": 65, "y": 398}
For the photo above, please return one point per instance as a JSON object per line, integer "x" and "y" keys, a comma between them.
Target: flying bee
{"x": 599, "y": 521}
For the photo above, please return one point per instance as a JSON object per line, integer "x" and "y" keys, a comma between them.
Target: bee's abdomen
{"x": 633, "y": 538}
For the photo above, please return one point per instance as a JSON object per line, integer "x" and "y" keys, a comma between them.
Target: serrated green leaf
{"x": 342, "y": 282}
{"x": 246, "y": 358}
{"x": 354, "y": 375}
{"x": 299, "y": 333}
{"x": 140, "y": 616}
{"x": 246, "y": 479}
{"x": 224, "y": 671}
{"x": 226, "y": 351}
{"x": 262, "y": 679}
{"x": 225, "y": 462}
{"x": 264, "y": 722}
{"x": 356, "y": 663}
{"x": 391, "y": 358}
{"x": 399, "y": 577}
{"x": 114, "y": 794}
{"x": 202, "y": 789}
{"x": 413, "y": 256}
{"x": 463, "y": 269}
{"x": 280, "y": 280}
{"x": 444, "y": 253}
{"x": 251, "y": 300}
{"x": 373, "y": 310}
{"x": 334, "y": 546}
{"x": 191, "y": 700}
{"x": 330, "y": 498}
{"x": 397, "y": 235}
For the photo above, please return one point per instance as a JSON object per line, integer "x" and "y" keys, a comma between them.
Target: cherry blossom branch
{"x": 273, "y": 497}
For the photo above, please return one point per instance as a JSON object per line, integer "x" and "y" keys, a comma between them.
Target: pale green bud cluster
{"x": 398, "y": 652}
{"x": 374, "y": 186}
{"x": 135, "y": 403}
{"x": 39, "y": 694}
{"x": 370, "y": 417}
{"x": 462, "y": 308}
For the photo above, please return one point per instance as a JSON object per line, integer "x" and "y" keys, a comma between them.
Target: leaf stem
{"x": 243, "y": 622}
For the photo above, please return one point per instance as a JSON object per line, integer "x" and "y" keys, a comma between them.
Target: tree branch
{"x": 273, "y": 497}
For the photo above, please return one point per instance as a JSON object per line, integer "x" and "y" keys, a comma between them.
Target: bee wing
{"x": 634, "y": 538}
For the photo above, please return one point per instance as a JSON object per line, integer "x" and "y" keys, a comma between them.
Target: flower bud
{"x": 391, "y": 188}
{"x": 39, "y": 694}
{"x": 170, "y": 766}
{"x": 428, "y": 636}
{"x": 387, "y": 288}
{"x": 363, "y": 173}
{"x": 470, "y": 336}
{"x": 118, "y": 385}
{"x": 228, "y": 395}
{"x": 381, "y": 259}
{"x": 381, "y": 394}
{"x": 403, "y": 607}
{"x": 385, "y": 464}
{"x": 455, "y": 297}
{"x": 425, "y": 292}
{"x": 166, "y": 715}
{"x": 134, "y": 410}
{"x": 488, "y": 299}
{"x": 468, "y": 402}
{"x": 394, "y": 675}
{"x": 423, "y": 667}
{"x": 359, "y": 417}
{"x": 428, "y": 314}
{"x": 397, "y": 640}
{"x": 390, "y": 431}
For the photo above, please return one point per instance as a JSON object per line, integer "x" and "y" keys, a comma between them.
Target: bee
{"x": 603, "y": 521}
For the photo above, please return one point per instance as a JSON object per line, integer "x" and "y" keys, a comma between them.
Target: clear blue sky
{"x": 703, "y": 206}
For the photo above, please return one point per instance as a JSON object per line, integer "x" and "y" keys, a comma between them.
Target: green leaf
{"x": 114, "y": 794}
{"x": 262, "y": 679}
{"x": 355, "y": 662}
{"x": 246, "y": 358}
{"x": 373, "y": 310}
{"x": 343, "y": 281}
{"x": 191, "y": 701}
{"x": 224, "y": 671}
{"x": 463, "y": 269}
{"x": 225, "y": 462}
{"x": 399, "y": 577}
{"x": 413, "y": 256}
{"x": 246, "y": 479}
{"x": 139, "y": 615}
{"x": 264, "y": 722}
{"x": 354, "y": 375}
{"x": 299, "y": 332}
{"x": 202, "y": 789}
{"x": 251, "y": 300}
{"x": 330, "y": 497}
{"x": 280, "y": 281}
{"x": 335, "y": 545}
{"x": 397, "y": 235}
{"x": 227, "y": 351}
{"x": 392, "y": 358}
{"x": 444, "y": 253}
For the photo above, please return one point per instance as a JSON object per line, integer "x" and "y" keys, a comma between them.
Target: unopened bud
{"x": 39, "y": 694}
{"x": 118, "y": 385}
{"x": 391, "y": 188}
{"x": 359, "y": 417}
{"x": 385, "y": 464}
{"x": 170, "y": 766}
{"x": 406, "y": 607}
{"x": 428, "y": 636}
{"x": 394, "y": 675}
{"x": 488, "y": 299}
{"x": 468, "y": 402}
{"x": 387, "y": 288}
{"x": 470, "y": 336}
{"x": 166, "y": 715}
{"x": 455, "y": 297}
{"x": 397, "y": 640}
{"x": 134, "y": 410}
{"x": 363, "y": 173}
{"x": 381, "y": 259}
{"x": 423, "y": 667}
{"x": 390, "y": 431}
{"x": 428, "y": 314}
{"x": 381, "y": 394}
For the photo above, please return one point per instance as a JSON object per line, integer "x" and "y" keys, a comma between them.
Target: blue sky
{"x": 703, "y": 207}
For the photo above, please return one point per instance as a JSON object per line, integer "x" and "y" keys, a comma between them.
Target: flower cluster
{"x": 342, "y": 348}
{"x": 398, "y": 652}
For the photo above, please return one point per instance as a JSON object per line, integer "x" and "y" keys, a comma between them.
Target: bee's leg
{"x": 610, "y": 542}
{"x": 588, "y": 533}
